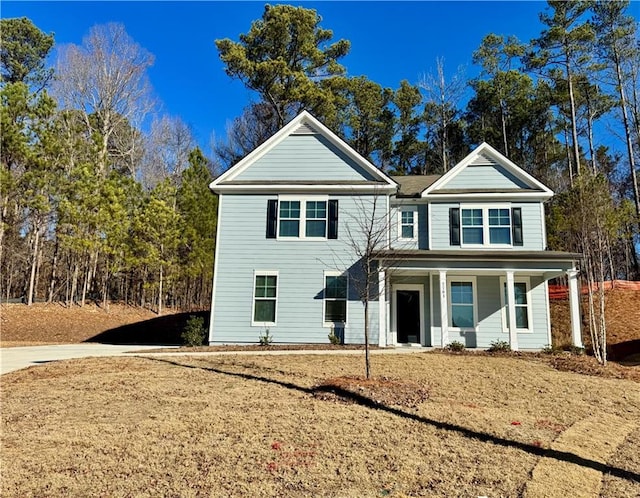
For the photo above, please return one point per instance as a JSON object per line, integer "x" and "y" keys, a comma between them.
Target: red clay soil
{"x": 623, "y": 322}
{"x": 54, "y": 323}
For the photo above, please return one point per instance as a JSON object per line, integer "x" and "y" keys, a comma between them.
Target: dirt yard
{"x": 433, "y": 425}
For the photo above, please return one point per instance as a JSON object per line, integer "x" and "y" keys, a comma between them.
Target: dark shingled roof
{"x": 413, "y": 185}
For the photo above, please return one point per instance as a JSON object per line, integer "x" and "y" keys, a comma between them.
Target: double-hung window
{"x": 265, "y": 297}
{"x": 408, "y": 224}
{"x": 335, "y": 298}
{"x": 289, "y": 219}
{"x": 305, "y": 217}
{"x": 462, "y": 303}
{"x": 474, "y": 226}
{"x": 521, "y": 304}
{"x": 316, "y": 216}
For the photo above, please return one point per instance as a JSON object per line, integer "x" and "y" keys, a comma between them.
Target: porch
{"x": 432, "y": 299}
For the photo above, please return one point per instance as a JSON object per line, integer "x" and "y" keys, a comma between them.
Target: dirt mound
{"x": 623, "y": 322}
{"x": 22, "y": 325}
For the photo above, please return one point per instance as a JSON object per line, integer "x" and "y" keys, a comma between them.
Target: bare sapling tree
{"x": 369, "y": 233}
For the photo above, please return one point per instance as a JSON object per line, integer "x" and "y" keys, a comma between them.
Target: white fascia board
{"x": 238, "y": 189}
{"x": 489, "y": 196}
{"x": 284, "y": 132}
{"x": 500, "y": 159}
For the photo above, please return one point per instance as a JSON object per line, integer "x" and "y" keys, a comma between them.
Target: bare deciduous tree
{"x": 106, "y": 78}
{"x": 442, "y": 97}
{"x": 167, "y": 151}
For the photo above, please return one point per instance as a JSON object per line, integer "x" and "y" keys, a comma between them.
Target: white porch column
{"x": 382, "y": 309}
{"x": 444, "y": 310}
{"x": 574, "y": 308}
{"x": 511, "y": 306}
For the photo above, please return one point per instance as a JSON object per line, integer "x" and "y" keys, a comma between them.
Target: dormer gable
{"x": 487, "y": 174}
{"x": 304, "y": 155}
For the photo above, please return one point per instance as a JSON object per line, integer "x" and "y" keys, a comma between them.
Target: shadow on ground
{"x": 624, "y": 350}
{"x": 163, "y": 330}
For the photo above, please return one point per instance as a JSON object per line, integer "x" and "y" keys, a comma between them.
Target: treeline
{"x": 93, "y": 206}
{"x": 564, "y": 106}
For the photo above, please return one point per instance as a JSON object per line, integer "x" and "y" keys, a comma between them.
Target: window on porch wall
{"x": 462, "y": 314}
{"x": 520, "y": 290}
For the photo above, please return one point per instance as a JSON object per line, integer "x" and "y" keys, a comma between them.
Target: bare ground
{"x": 429, "y": 425}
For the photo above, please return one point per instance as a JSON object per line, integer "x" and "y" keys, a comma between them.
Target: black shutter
{"x": 454, "y": 226}
{"x": 272, "y": 218}
{"x": 516, "y": 226}
{"x": 332, "y": 232}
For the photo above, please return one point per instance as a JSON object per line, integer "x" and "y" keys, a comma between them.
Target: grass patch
{"x": 428, "y": 424}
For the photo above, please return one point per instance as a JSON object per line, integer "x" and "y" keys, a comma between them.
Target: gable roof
{"x": 413, "y": 185}
{"x": 303, "y": 124}
{"x": 519, "y": 183}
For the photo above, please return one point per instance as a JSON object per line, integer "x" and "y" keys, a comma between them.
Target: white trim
{"x": 474, "y": 288}
{"x": 500, "y": 159}
{"x": 505, "y": 325}
{"x": 292, "y": 187}
{"x": 215, "y": 269}
{"x": 334, "y": 273}
{"x": 444, "y": 308}
{"x": 264, "y": 273}
{"x": 414, "y": 211}
{"x": 382, "y": 308}
{"x": 431, "y": 331}
{"x": 548, "y": 306}
{"x": 394, "y": 307}
{"x": 303, "y": 118}
{"x": 429, "y": 221}
{"x": 543, "y": 223}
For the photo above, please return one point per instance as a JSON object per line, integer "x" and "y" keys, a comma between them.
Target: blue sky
{"x": 390, "y": 41}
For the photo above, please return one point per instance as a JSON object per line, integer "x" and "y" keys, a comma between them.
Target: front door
{"x": 408, "y": 316}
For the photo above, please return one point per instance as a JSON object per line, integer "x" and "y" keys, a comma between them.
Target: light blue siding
{"x": 489, "y": 312}
{"x": 532, "y": 225}
{"x": 243, "y": 248}
{"x": 486, "y": 176}
{"x": 305, "y": 157}
{"x": 421, "y": 237}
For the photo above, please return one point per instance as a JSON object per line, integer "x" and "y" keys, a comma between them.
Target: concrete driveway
{"x": 16, "y": 358}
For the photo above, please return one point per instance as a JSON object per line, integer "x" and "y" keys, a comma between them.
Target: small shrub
{"x": 455, "y": 347}
{"x": 499, "y": 347}
{"x": 265, "y": 339}
{"x": 550, "y": 349}
{"x": 334, "y": 339}
{"x": 194, "y": 333}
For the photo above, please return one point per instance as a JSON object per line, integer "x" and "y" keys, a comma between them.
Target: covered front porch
{"x": 433, "y": 298}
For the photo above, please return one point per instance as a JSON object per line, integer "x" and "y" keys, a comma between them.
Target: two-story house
{"x": 463, "y": 257}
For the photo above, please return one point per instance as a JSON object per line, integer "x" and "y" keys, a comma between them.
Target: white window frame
{"x": 333, "y": 273}
{"x": 264, "y": 273}
{"x": 486, "y": 238}
{"x": 302, "y": 231}
{"x": 474, "y": 288}
{"x": 414, "y": 211}
{"x": 503, "y": 302}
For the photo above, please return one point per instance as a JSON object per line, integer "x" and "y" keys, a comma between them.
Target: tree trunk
{"x": 367, "y": 364}
{"x": 574, "y": 125}
{"x": 627, "y": 132}
{"x": 34, "y": 264}
{"x": 54, "y": 272}
{"x": 160, "y": 293}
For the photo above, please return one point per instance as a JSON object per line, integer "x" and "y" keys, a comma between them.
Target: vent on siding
{"x": 304, "y": 129}
{"x": 483, "y": 160}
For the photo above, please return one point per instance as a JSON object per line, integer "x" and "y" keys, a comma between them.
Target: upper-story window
{"x": 408, "y": 224}
{"x": 300, "y": 218}
{"x": 473, "y": 226}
